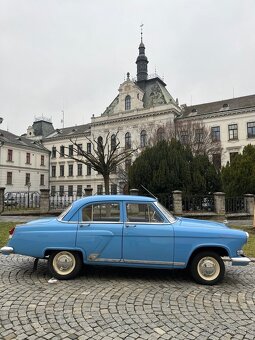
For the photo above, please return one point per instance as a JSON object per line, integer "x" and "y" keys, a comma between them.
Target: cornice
{"x": 134, "y": 117}
{"x": 219, "y": 114}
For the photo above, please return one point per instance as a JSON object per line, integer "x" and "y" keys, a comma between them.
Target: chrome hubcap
{"x": 208, "y": 268}
{"x": 64, "y": 263}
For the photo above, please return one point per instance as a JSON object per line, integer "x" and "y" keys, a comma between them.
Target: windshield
{"x": 167, "y": 213}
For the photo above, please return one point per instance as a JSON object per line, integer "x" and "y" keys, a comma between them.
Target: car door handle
{"x": 84, "y": 225}
{"x": 130, "y": 225}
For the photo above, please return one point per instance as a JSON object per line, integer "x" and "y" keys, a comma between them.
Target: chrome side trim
{"x": 6, "y": 250}
{"x": 94, "y": 259}
{"x": 168, "y": 263}
{"x": 240, "y": 261}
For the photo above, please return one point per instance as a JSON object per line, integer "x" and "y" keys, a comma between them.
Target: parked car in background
{"x": 22, "y": 199}
{"x": 131, "y": 231}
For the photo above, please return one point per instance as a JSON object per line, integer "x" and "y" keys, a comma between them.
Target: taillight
{"x": 11, "y": 232}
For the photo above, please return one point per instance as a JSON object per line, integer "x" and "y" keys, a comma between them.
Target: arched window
{"x": 128, "y": 140}
{"x": 99, "y": 143}
{"x": 128, "y": 103}
{"x": 143, "y": 138}
{"x": 160, "y": 134}
{"x": 113, "y": 142}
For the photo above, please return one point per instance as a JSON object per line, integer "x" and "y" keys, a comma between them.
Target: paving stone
{"x": 115, "y": 303}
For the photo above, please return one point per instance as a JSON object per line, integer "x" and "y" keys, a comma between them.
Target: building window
{"x": 160, "y": 134}
{"x": 53, "y": 190}
{"x": 88, "y": 169}
{"x": 113, "y": 189}
{"x": 251, "y": 129}
{"x": 232, "y": 132}
{"x": 53, "y": 152}
{"x": 216, "y": 159}
{"x": 70, "y": 170}
{"x": 61, "y": 170}
{"x": 53, "y": 171}
{"x": 143, "y": 139}
{"x": 79, "y": 190}
{"x": 114, "y": 169}
{"x": 70, "y": 150}
{"x": 70, "y": 190}
{"x": 28, "y": 158}
{"x": 61, "y": 190}
{"x": 62, "y": 151}
{"x": 9, "y": 178}
{"x": 215, "y": 133}
{"x": 88, "y": 147}
{"x": 128, "y": 103}
{"x": 79, "y": 149}
{"x": 199, "y": 135}
{"x": 100, "y": 143}
{"x": 41, "y": 179}
{"x": 27, "y": 179}
{"x": 184, "y": 137}
{"x": 79, "y": 170}
{"x": 127, "y": 164}
{"x": 100, "y": 189}
{"x": 42, "y": 160}
{"x": 232, "y": 156}
{"x": 9, "y": 155}
{"x": 128, "y": 140}
{"x": 113, "y": 142}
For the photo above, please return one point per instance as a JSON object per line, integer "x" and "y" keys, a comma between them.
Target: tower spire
{"x": 142, "y": 61}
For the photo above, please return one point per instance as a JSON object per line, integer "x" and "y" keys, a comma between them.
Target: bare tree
{"x": 104, "y": 156}
{"x": 194, "y": 134}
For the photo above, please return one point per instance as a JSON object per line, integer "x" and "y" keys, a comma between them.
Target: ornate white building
{"x": 141, "y": 110}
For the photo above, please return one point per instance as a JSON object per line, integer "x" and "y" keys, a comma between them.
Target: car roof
{"x": 107, "y": 198}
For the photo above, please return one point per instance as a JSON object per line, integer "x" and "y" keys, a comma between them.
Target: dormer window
{"x": 127, "y": 103}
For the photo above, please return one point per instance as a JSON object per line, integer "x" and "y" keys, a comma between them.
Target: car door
{"x": 148, "y": 239}
{"x": 99, "y": 232}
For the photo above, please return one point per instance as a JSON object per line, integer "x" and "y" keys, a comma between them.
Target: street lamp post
{"x": 28, "y": 188}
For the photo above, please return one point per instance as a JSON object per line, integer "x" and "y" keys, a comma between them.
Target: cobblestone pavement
{"x": 120, "y": 303}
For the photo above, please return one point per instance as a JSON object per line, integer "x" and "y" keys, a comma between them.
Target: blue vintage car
{"x": 131, "y": 231}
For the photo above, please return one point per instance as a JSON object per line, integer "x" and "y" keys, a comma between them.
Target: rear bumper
{"x": 240, "y": 261}
{"x": 6, "y": 250}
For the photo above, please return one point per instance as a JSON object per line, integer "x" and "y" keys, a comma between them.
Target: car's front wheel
{"x": 207, "y": 268}
{"x": 64, "y": 265}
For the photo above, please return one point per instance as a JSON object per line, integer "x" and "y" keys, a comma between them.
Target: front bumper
{"x": 6, "y": 250}
{"x": 240, "y": 261}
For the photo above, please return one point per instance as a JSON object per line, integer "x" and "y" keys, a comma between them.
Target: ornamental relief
{"x": 156, "y": 95}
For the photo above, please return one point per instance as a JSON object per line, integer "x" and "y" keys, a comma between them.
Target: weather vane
{"x": 141, "y": 31}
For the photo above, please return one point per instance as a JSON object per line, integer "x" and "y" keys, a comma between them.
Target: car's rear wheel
{"x": 207, "y": 268}
{"x": 64, "y": 265}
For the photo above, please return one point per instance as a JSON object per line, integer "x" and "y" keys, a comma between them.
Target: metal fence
{"x": 235, "y": 205}
{"x": 198, "y": 203}
{"x": 21, "y": 200}
{"x": 62, "y": 199}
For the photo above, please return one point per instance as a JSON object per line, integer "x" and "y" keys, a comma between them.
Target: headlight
{"x": 240, "y": 252}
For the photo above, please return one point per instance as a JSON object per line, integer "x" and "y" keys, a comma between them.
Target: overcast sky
{"x": 72, "y": 55}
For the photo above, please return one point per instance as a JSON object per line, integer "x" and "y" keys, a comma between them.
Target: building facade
{"x": 142, "y": 110}
{"x": 24, "y": 164}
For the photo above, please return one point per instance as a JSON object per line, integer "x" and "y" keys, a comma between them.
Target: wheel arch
{"x": 49, "y": 251}
{"x": 220, "y": 250}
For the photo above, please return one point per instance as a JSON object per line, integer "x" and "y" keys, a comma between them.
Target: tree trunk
{"x": 107, "y": 184}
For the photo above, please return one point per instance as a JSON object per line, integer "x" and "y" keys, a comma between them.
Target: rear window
{"x": 101, "y": 212}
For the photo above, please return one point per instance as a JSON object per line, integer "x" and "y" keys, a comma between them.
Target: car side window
{"x": 144, "y": 213}
{"x": 101, "y": 212}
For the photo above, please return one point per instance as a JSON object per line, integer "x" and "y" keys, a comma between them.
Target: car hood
{"x": 192, "y": 222}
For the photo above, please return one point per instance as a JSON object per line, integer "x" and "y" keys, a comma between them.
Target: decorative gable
{"x": 130, "y": 97}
